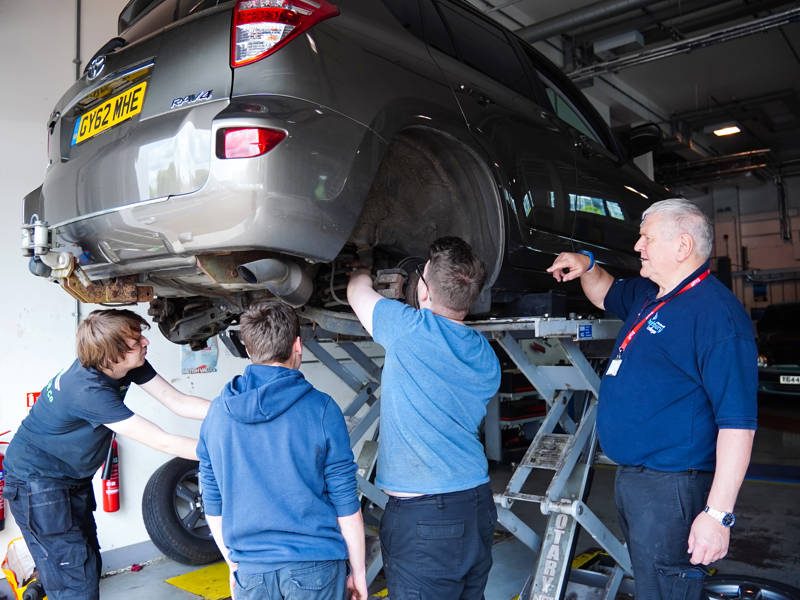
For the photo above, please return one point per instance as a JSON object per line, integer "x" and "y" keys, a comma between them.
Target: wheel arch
{"x": 456, "y": 188}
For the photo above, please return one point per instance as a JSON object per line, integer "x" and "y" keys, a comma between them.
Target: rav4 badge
{"x": 191, "y": 99}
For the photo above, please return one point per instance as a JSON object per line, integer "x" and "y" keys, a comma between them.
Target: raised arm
{"x": 184, "y": 405}
{"x": 362, "y": 297}
{"x": 595, "y": 281}
{"x": 143, "y": 431}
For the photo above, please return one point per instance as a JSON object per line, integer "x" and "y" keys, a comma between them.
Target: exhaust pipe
{"x": 286, "y": 280}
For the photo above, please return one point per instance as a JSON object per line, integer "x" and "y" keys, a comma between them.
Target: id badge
{"x": 613, "y": 366}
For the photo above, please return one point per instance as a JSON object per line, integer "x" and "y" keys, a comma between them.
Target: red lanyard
{"x": 636, "y": 327}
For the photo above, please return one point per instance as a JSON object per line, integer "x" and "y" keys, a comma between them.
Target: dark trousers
{"x": 57, "y": 521}
{"x": 656, "y": 510}
{"x": 438, "y": 546}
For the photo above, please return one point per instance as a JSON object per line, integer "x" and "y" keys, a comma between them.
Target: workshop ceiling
{"x": 691, "y": 66}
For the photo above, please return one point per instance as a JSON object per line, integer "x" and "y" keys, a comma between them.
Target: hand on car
{"x": 708, "y": 540}
{"x": 568, "y": 266}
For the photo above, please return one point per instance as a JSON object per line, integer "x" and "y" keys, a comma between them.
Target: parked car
{"x": 218, "y": 152}
{"x": 779, "y": 350}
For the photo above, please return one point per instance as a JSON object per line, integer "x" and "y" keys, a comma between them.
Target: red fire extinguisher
{"x": 110, "y": 477}
{"x": 2, "y": 485}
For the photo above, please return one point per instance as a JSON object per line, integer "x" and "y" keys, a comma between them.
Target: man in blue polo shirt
{"x": 678, "y": 400}
{"x": 438, "y": 376}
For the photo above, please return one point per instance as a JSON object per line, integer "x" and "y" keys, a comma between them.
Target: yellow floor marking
{"x": 212, "y": 582}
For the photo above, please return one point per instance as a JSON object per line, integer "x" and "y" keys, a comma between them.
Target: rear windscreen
{"x": 141, "y": 17}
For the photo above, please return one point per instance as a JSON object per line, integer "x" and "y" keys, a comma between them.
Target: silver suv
{"x": 215, "y": 153}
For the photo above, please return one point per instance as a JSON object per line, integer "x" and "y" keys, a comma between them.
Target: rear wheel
{"x": 431, "y": 185}
{"x": 173, "y": 514}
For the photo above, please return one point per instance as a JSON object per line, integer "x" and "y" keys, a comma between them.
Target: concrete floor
{"x": 765, "y": 541}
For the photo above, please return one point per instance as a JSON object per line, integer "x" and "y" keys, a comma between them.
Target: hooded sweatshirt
{"x": 275, "y": 462}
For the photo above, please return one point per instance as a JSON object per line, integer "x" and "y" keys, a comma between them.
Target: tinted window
{"x": 565, "y": 111}
{"x": 407, "y": 14}
{"x": 142, "y": 17}
{"x": 485, "y": 47}
{"x": 136, "y": 10}
{"x": 435, "y": 32}
{"x": 780, "y": 316}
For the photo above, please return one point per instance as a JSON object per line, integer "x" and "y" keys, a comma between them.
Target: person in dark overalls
{"x": 64, "y": 439}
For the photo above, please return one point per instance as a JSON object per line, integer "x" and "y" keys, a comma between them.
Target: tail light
{"x": 260, "y": 27}
{"x": 247, "y": 142}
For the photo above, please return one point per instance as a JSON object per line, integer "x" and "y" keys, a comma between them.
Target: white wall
{"x": 38, "y": 318}
{"x": 748, "y": 216}
{"x": 36, "y": 67}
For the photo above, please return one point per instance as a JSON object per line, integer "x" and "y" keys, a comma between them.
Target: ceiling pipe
{"x": 687, "y": 45}
{"x": 576, "y": 18}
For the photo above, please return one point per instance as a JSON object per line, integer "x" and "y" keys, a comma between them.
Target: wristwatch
{"x": 726, "y": 519}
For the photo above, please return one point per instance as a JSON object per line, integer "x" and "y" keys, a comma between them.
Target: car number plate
{"x": 111, "y": 112}
{"x": 795, "y": 379}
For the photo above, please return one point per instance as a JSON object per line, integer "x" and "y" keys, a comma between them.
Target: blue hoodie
{"x": 275, "y": 462}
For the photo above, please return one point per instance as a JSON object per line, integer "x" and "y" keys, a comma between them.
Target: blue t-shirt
{"x": 688, "y": 372}
{"x": 64, "y": 436}
{"x": 438, "y": 377}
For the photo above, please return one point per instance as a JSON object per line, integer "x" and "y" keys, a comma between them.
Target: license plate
{"x": 791, "y": 379}
{"x": 111, "y": 112}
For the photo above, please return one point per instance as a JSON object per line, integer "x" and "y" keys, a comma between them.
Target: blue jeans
{"x": 656, "y": 510}
{"x": 57, "y": 521}
{"x": 438, "y": 546}
{"x": 314, "y": 580}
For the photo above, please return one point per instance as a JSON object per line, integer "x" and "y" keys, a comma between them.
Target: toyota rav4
{"x": 218, "y": 152}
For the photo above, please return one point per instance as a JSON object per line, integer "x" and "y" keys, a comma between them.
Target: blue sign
{"x": 584, "y": 332}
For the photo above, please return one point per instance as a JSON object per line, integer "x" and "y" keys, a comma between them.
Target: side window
{"x": 567, "y": 112}
{"x": 435, "y": 31}
{"x": 486, "y": 48}
{"x": 140, "y": 17}
{"x": 407, "y": 15}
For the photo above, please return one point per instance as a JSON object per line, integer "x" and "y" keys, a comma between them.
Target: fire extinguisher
{"x": 110, "y": 477}
{"x": 2, "y": 485}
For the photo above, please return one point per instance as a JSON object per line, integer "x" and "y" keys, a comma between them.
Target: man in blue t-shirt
{"x": 65, "y": 438}
{"x": 678, "y": 400}
{"x": 438, "y": 376}
{"x": 278, "y": 476}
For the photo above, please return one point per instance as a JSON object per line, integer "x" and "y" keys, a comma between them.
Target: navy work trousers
{"x": 656, "y": 510}
{"x": 57, "y": 521}
{"x": 438, "y": 546}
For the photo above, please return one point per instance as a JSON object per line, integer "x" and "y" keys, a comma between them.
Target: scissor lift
{"x": 564, "y": 444}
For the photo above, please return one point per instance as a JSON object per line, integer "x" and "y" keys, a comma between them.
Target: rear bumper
{"x": 303, "y": 198}
{"x": 769, "y": 381}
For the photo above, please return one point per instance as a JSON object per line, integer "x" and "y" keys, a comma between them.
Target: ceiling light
{"x": 728, "y": 130}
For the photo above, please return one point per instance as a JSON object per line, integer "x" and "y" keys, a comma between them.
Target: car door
{"x": 498, "y": 99}
{"x": 602, "y": 197}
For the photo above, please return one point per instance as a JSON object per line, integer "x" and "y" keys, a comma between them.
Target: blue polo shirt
{"x": 438, "y": 376}
{"x": 689, "y": 371}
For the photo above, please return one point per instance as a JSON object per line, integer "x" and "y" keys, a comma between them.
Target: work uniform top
{"x": 688, "y": 372}
{"x": 64, "y": 436}
{"x": 438, "y": 377}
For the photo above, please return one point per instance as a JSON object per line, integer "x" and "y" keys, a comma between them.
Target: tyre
{"x": 748, "y": 588}
{"x": 173, "y": 514}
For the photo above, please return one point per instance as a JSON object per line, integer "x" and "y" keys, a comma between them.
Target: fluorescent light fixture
{"x": 635, "y": 191}
{"x": 729, "y": 130}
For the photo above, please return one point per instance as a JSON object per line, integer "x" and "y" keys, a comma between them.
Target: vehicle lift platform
{"x": 564, "y": 444}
